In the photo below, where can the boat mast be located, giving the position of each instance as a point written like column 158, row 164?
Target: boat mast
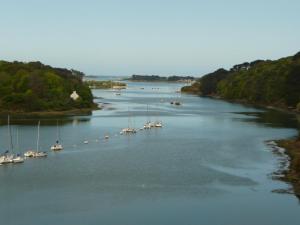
column 38, row 137
column 57, row 131
column 148, row 118
column 9, row 132
column 17, row 147
column 128, row 118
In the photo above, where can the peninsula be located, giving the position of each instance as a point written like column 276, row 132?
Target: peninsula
column 37, row 88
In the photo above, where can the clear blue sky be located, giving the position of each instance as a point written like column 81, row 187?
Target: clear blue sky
column 112, row 37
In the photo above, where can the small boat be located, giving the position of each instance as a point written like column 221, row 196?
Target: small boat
column 147, row 125
column 18, row 159
column 40, row 154
column 152, row 124
column 177, row 103
column 8, row 156
column 37, row 153
column 128, row 131
column 158, row 124
column 6, row 159
column 2, row 159
column 29, row 153
column 106, row 137
column 85, row 142
column 57, row 146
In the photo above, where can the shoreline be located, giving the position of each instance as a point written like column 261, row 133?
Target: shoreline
column 71, row 112
column 247, row 103
column 292, row 173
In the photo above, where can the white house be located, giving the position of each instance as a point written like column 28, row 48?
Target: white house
column 74, row 96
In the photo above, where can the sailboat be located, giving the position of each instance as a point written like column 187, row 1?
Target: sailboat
column 148, row 124
column 57, row 146
column 18, row 158
column 8, row 156
column 158, row 123
column 106, row 136
column 2, row 159
column 37, row 153
column 128, row 130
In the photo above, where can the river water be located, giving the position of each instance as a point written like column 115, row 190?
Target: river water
column 209, row 164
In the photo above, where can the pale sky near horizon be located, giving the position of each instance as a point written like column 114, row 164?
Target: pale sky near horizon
column 114, row 37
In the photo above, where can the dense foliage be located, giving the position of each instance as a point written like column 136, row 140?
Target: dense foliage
column 27, row 87
column 269, row 82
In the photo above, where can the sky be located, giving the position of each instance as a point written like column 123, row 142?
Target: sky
column 166, row 37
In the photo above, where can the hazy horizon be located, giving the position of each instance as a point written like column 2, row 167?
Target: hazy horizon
column 122, row 38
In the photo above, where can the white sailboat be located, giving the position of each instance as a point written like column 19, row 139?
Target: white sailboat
column 18, row 158
column 148, row 124
column 7, row 158
column 158, row 123
column 57, row 146
column 129, row 129
column 37, row 153
column 8, row 155
column 2, row 159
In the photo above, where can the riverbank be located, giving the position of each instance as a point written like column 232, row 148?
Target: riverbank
column 292, row 174
column 72, row 112
column 193, row 91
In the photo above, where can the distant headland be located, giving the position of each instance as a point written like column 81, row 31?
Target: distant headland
column 157, row 78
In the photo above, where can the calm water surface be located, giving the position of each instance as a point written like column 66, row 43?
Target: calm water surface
column 209, row 164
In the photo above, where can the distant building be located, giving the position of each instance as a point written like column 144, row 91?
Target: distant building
column 74, row 96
